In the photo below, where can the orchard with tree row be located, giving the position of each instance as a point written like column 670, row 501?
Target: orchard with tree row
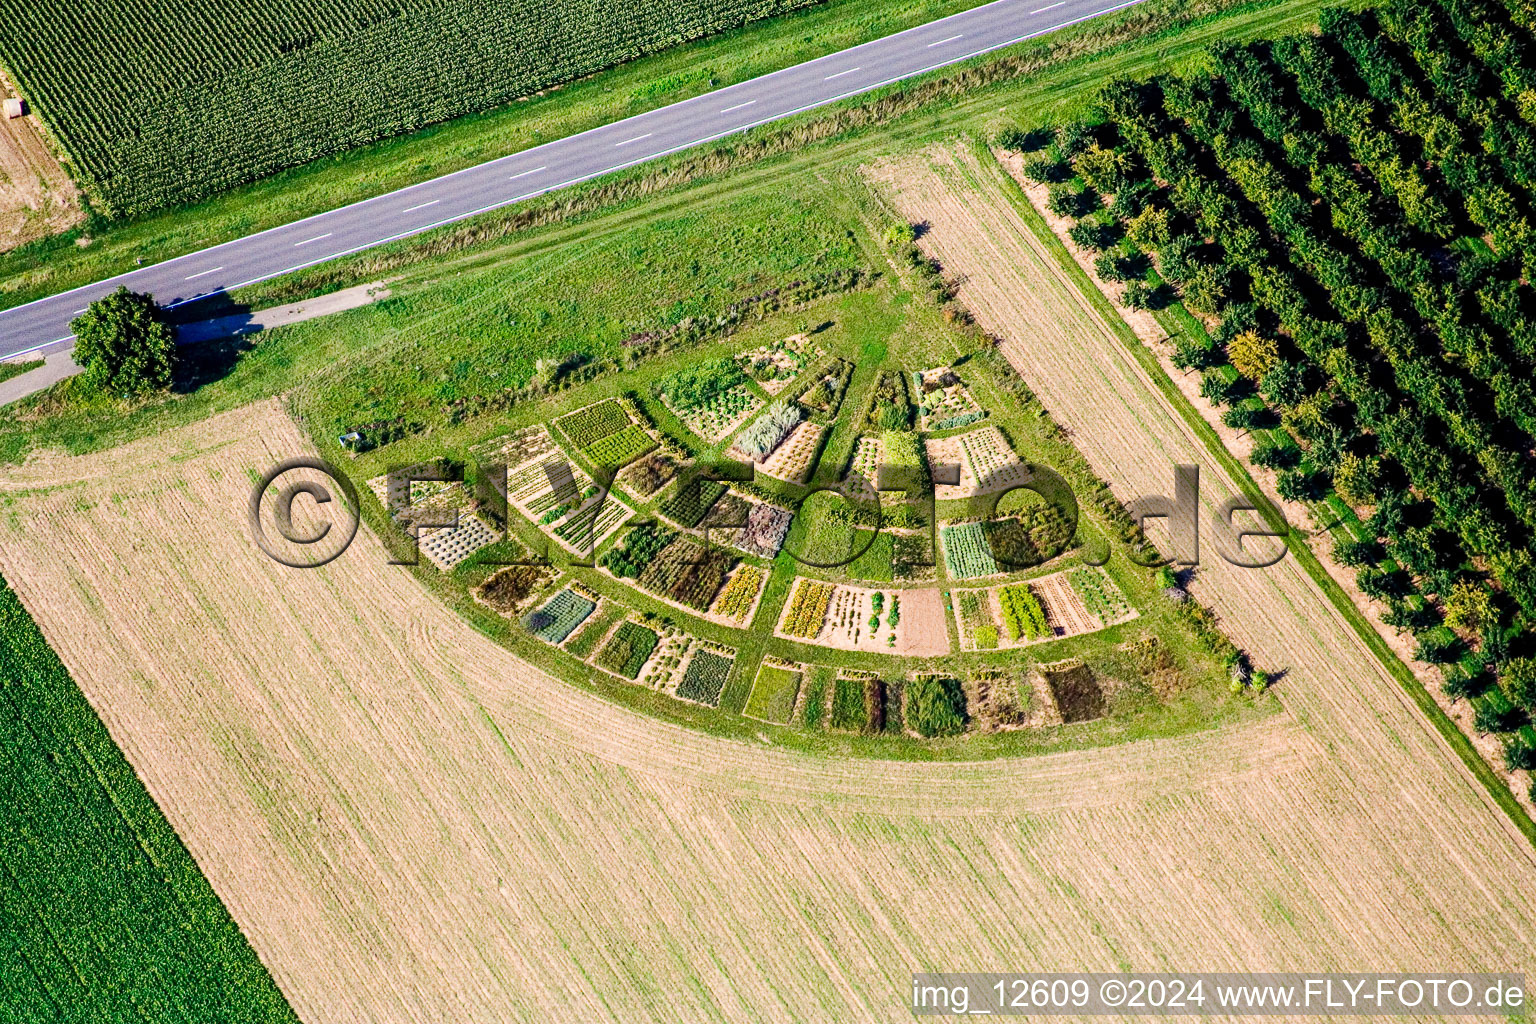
column 1349, row 217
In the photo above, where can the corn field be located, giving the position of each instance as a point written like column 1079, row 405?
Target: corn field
column 168, row 102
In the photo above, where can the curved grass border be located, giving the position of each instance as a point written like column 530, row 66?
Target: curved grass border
column 1421, row 697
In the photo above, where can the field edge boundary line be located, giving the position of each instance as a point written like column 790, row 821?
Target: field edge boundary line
column 1449, row 732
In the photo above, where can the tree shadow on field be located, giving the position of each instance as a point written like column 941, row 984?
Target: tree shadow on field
column 199, row 364
column 212, row 336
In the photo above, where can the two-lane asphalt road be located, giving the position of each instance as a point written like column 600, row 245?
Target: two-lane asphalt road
column 555, row 165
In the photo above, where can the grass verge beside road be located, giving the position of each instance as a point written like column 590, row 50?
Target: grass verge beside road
column 9, row 370
column 1151, row 35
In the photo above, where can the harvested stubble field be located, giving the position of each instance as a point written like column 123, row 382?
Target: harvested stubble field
column 1077, row 362
column 412, row 825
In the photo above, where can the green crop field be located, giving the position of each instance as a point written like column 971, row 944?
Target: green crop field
column 588, row 426
column 628, row 649
column 773, row 694
column 105, row 917
column 620, row 449
column 966, row 552
column 849, row 709
column 166, row 102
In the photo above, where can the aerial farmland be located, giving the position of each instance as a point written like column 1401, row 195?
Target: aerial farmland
column 756, row 512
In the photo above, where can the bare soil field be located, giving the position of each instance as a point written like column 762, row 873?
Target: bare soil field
column 412, row 825
column 37, row 197
column 919, row 631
